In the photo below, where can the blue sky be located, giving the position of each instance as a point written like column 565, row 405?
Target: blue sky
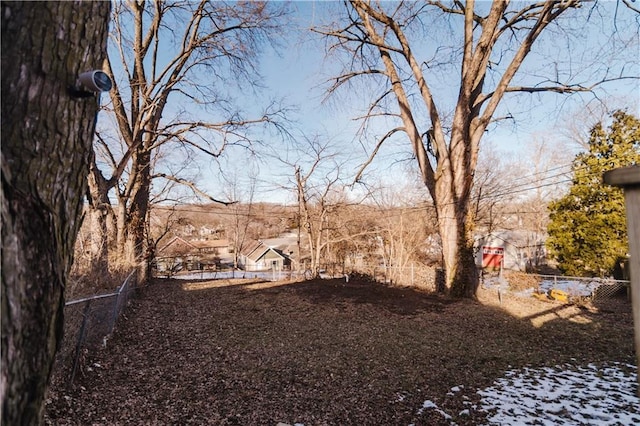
column 297, row 71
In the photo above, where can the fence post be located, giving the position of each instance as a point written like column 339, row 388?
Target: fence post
column 412, row 274
column 628, row 178
column 115, row 308
column 81, row 336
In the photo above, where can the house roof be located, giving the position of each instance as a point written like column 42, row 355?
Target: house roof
column 516, row 238
column 257, row 249
column 177, row 245
column 210, row 243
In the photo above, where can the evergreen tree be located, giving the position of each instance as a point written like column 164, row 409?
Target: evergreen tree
column 587, row 228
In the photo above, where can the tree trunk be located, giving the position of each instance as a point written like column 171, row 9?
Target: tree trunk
column 461, row 274
column 121, row 229
column 456, row 224
column 46, row 140
column 99, row 211
column 136, row 246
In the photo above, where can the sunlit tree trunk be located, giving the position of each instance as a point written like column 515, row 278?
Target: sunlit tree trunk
column 98, row 212
column 46, row 140
column 136, row 242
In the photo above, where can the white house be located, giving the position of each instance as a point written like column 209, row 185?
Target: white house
column 260, row 257
column 519, row 249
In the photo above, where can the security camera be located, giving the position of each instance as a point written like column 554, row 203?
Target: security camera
column 89, row 83
column 96, row 81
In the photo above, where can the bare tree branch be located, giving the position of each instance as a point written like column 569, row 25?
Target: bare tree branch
column 630, row 6
column 497, row 37
column 375, row 152
column 193, row 187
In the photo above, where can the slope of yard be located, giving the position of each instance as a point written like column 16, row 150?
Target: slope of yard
column 327, row 352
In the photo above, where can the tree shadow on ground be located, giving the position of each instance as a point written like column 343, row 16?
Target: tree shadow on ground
column 398, row 300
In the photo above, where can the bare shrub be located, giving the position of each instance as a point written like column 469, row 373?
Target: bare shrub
column 519, row 281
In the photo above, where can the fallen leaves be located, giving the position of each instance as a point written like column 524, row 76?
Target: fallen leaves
column 318, row 352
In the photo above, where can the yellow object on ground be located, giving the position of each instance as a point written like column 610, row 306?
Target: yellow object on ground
column 540, row 296
column 559, row 295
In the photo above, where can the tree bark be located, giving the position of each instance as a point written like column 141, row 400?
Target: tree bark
column 136, row 246
column 46, row 140
column 99, row 210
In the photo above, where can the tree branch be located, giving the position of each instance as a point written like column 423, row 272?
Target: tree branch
column 375, row 151
column 193, row 187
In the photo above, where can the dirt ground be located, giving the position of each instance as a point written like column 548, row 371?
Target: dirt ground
column 323, row 352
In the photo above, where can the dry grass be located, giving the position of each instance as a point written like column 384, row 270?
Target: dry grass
column 89, row 282
column 323, row 352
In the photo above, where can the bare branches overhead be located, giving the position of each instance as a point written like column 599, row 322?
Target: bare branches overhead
column 402, row 48
column 172, row 64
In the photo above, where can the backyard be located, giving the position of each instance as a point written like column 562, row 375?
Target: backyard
column 331, row 352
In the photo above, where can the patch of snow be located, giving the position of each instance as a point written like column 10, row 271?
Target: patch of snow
column 564, row 395
column 525, row 293
column 498, row 283
column 400, row 397
column 573, row 288
column 227, row 275
column 430, row 405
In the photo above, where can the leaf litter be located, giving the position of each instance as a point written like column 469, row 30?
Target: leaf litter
column 327, row 352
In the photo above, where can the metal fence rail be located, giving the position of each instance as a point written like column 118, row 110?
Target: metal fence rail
column 593, row 288
column 89, row 322
column 431, row 278
column 576, row 288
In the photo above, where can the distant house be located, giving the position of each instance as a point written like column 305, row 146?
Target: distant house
column 515, row 250
column 188, row 229
column 207, row 232
column 179, row 253
column 258, row 256
column 215, row 247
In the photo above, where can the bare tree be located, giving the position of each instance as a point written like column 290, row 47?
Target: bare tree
column 317, row 180
column 314, row 196
column 391, row 44
column 491, row 193
column 46, row 140
column 403, row 224
column 241, row 211
column 172, row 62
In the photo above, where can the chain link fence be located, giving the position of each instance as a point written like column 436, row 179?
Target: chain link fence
column 89, row 322
column 431, row 279
column 422, row 277
column 419, row 276
column 575, row 288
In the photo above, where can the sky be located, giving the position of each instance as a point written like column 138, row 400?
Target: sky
column 296, row 74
